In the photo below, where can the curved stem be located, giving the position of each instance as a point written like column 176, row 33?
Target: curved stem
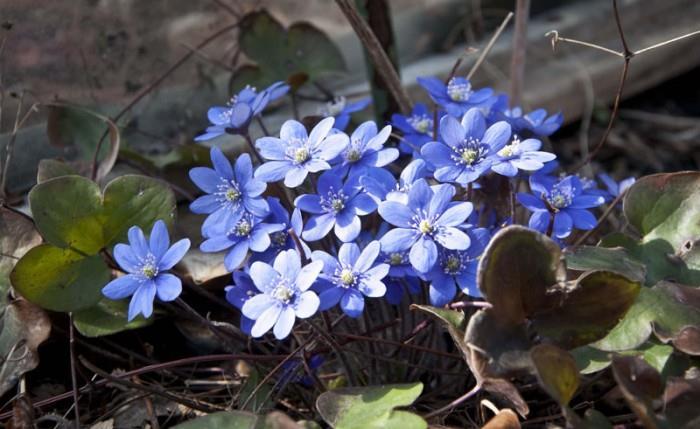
column 456, row 402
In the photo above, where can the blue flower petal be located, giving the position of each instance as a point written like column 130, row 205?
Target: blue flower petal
column 318, row 227
column 330, row 297
column 138, row 242
column 265, row 321
column 271, row 148
column 168, row 287
column 396, row 214
column 423, row 255
column 453, row 239
column 308, row 274
column 205, row 178
column 398, row 239
column 293, row 130
column 474, row 123
column 539, row 220
column 441, row 293
column 121, row 287
column 583, row 219
column 295, row 176
column 235, row 257
column 307, row 304
column 455, row 214
column 263, row 275
column 563, row 224
column 364, row 260
column 272, row 171
column 126, row 259
column 159, row 241
column 352, row 303
column 221, row 163
column 284, row 324
column 205, row 204
column 174, row 254
column 142, row 301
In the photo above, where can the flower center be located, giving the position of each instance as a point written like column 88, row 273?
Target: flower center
column 459, row 91
column 559, row 199
column 243, row 228
column 334, row 202
column 395, row 259
column 452, row 264
column 279, row 238
column 512, row 149
column 347, row 277
column 470, row 152
column 232, row 194
column 301, row 155
column 149, row 268
column 425, row 226
column 283, row 293
column 422, row 124
column 353, row 154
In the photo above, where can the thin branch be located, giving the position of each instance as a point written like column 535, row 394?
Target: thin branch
column 454, row 403
column 379, row 57
column 556, row 39
column 489, row 45
column 517, row 62
column 667, row 42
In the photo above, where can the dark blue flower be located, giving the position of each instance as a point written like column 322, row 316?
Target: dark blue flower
column 353, row 275
column 524, row 155
column 396, row 286
column 366, row 150
column 457, row 96
column 429, row 217
column 282, row 239
column 381, row 185
column 565, row 200
column 241, row 109
column 146, row 263
column 241, row 291
column 296, row 154
column 284, row 294
column 248, row 233
column 457, row 269
column 337, row 206
column 469, row 148
column 417, row 128
column 615, row 188
column 230, row 191
column 535, row 122
column 341, row 110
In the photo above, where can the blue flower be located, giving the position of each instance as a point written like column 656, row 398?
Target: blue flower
column 353, row 275
column 536, row 122
column 341, row 110
column 296, row 154
column 381, row 184
column 457, row 269
column 241, row 291
column 395, row 287
column 248, row 233
column 366, row 150
column 565, row 200
column 241, row 109
column 336, row 206
column 469, row 148
column 457, row 96
column 615, row 188
column 146, row 263
column 523, row 155
column 429, row 217
column 417, row 128
column 284, row 296
column 230, row 191
column 282, row 239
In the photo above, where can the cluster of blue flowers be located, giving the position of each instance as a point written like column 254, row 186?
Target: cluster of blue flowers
column 367, row 213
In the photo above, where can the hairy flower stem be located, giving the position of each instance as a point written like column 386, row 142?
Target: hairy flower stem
column 251, row 145
column 73, row 374
column 297, row 244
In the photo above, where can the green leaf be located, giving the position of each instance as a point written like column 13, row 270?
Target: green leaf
column 223, row 420
column 665, row 209
column 60, row 279
column 135, row 200
column 590, row 360
column 23, row 328
column 371, row 407
column 589, row 311
column 516, row 269
column 50, row 168
column 17, row 236
column 556, row 371
column 669, row 306
column 262, row 399
column 106, row 318
column 453, row 320
column 67, row 213
column 80, row 129
column 618, row 260
column 301, row 52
